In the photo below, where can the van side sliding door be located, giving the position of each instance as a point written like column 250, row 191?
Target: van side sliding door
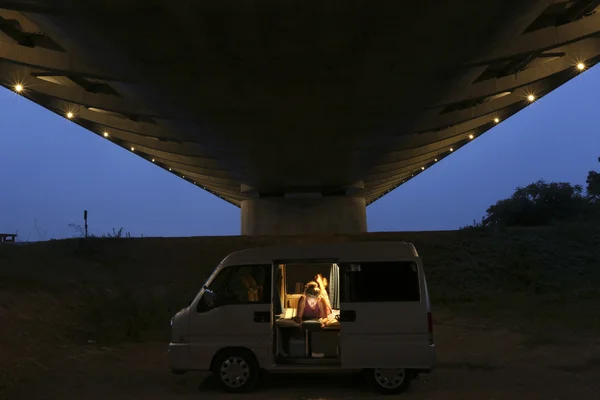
column 383, row 316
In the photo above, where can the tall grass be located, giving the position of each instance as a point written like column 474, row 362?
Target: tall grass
column 127, row 289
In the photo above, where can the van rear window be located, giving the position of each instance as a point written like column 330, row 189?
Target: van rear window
column 379, row 282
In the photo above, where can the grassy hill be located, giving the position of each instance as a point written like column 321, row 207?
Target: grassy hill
column 545, row 282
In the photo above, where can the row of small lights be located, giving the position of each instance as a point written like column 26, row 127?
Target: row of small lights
column 18, row 88
column 530, row 98
column 451, row 150
column 153, row 160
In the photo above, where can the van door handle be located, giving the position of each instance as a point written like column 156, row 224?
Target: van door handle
column 262, row 316
column 347, row 316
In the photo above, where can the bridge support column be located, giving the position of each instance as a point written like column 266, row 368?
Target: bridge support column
column 281, row 216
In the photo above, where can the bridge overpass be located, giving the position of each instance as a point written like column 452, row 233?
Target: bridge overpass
column 299, row 112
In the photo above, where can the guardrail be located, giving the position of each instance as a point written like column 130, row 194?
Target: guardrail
column 8, row 237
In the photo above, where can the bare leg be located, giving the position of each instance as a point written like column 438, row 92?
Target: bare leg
column 323, row 286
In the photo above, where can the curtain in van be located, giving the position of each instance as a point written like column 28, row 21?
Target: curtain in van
column 334, row 286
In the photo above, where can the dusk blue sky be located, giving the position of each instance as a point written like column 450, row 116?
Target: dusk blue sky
column 51, row 170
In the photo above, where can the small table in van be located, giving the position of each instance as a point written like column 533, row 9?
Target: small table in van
column 311, row 327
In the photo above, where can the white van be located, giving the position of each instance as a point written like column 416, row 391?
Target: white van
column 244, row 319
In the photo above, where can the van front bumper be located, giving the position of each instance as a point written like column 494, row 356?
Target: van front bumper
column 179, row 357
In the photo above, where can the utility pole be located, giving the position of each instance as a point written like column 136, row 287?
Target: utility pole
column 85, row 220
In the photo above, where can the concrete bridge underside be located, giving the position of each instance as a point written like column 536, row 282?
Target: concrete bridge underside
column 299, row 112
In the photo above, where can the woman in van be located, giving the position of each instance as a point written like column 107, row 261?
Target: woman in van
column 311, row 305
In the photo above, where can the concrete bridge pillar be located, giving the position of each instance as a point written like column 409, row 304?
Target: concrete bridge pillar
column 283, row 216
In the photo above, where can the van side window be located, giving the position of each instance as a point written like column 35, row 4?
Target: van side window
column 244, row 284
column 379, row 282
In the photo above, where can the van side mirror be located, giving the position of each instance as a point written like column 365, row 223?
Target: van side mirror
column 210, row 298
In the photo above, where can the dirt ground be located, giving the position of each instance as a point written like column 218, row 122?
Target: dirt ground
column 475, row 362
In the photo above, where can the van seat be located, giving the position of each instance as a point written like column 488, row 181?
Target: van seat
column 291, row 300
column 289, row 313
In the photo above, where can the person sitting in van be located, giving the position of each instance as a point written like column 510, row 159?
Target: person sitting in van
column 311, row 305
column 252, row 289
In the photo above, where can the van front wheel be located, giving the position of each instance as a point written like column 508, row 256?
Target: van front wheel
column 389, row 380
column 236, row 370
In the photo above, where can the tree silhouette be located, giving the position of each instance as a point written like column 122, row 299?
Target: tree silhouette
column 593, row 185
column 537, row 204
column 543, row 203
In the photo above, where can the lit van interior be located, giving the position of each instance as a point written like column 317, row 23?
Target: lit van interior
column 306, row 310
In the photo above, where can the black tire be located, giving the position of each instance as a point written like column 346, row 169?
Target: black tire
column 236, row 370
column 389, row 381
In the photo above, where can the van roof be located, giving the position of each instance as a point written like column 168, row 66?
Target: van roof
column 344, row 252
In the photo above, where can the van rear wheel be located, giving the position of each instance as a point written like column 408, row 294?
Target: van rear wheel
column 236, row 370
column 389, row 380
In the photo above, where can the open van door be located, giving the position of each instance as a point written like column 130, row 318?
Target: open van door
column 383, row 315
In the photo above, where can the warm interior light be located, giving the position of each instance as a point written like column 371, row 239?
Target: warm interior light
column 451, row 149
column 471, row 137
column 169, row 169
column 496, row 120
column 18, row 88
column 581, row 66
column 423, row 168
column 530, row 97
column 435, row 160
column 70, row 115
column 153, row 160
column 132, row 148
column 105, row 134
